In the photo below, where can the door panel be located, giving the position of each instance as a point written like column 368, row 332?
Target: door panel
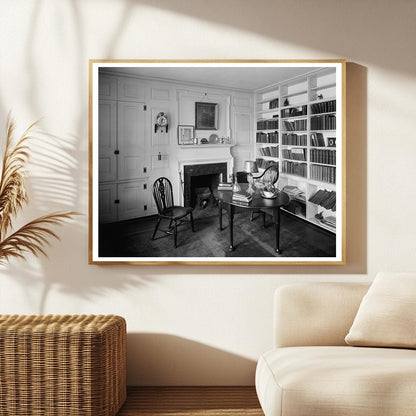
column 131, row 141
column 107, row 139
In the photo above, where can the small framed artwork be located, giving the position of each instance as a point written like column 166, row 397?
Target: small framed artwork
column 206, row 116
column 186, row 134
column 332, row 141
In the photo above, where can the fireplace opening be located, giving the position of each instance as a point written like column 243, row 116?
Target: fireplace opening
column 201, row 183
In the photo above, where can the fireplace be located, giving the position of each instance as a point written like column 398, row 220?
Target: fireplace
column 202, row 178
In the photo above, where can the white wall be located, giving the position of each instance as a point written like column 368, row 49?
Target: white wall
column 201, row 324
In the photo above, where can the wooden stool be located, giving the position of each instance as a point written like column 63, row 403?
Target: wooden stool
column 69, row 365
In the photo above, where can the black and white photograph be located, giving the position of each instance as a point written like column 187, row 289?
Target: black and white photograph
column 217, row 162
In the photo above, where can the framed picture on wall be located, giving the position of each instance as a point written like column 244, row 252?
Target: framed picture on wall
column 266, row 188
column 206, row 116
column 186, row 134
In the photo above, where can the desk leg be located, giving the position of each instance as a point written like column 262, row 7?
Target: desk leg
column 231, row 209
column 276, row 215
column 220, row 214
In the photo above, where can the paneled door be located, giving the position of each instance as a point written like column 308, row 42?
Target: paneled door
column 131, row 141
column 107, row 133
column 134, row 200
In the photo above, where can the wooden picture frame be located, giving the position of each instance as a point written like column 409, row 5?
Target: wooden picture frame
column 293, row 115
column 206, row 116
column 186, row 134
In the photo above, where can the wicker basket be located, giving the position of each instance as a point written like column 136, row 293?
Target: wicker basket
column 72, row 365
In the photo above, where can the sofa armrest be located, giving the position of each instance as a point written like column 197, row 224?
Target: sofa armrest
column 315, row 313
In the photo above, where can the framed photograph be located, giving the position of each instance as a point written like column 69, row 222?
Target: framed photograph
column 279, row 125
column 186, row 134
column 206, row 116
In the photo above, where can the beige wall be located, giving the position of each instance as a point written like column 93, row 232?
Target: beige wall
column 204, row 325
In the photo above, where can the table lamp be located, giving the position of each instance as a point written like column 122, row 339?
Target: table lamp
column 250, row 166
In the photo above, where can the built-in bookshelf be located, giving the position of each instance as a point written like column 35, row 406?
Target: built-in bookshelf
column 296, row 124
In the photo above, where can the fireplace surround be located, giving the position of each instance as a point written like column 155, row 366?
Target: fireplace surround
column 203, row 175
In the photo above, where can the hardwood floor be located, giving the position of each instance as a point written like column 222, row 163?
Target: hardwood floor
column 195, row 401
column 297, row 238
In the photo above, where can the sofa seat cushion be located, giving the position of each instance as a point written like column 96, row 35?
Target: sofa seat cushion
column 341, row 381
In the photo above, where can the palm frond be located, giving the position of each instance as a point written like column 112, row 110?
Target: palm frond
column 12, row 181
column 33, row 237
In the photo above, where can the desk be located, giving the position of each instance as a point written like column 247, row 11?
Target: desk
column 225, row 201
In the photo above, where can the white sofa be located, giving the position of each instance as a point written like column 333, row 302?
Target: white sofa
column 313, row 372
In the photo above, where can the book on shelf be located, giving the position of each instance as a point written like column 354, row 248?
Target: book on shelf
column 293, row 139
column 273, row 103
column 262, row 137
column 295, row 125
column 272, row 151
column 324, row 107
column 324, row 198
column 294, row 168
column 294, row 193
column 325, row 156
column 317, row 139
column 268, row 124
column 324, row 122
column 294, row 153
column 323, row 173
column 295, row 111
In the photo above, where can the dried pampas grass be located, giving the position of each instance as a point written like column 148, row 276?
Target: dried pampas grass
column 34, row 236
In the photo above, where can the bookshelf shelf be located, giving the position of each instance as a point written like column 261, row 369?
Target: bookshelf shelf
column 324, row 87
column 294, row 94
column 267, row 100
column 311, row 98
column 294, row 117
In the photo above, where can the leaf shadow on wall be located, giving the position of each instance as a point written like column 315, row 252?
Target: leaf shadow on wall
column 51, row 186
column 163, row 359
column 376, row 34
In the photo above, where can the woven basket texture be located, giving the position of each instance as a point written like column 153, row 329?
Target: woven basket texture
column 62, row 365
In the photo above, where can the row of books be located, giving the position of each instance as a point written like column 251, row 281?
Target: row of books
column 293, row 139
column 323, row 156
column 269, row 151
column 324, row 198
column 295, row 111
column 273, row 103
column 294, row 192
column 264, row 164
column 295, row 125
column 294, row 168
column 317, row 140
column 323, row 173
column 324, row 107
column 262, row 137
column 268, row 124
column 242, row 197
column 294, row 153
column 325, row 122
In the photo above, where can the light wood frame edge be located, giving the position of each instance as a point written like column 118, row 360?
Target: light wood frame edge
column 341, row 262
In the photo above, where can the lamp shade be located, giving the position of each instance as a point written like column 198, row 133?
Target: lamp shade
column 250, row 166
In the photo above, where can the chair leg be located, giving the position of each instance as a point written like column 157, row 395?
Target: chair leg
column 264, row 220
column 156, row 228
column 252, row 215
column 170, row 224
column 192, row 222
column 175, row 233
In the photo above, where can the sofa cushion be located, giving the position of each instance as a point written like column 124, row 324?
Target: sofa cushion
column 340, row 380
column 387, row 314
